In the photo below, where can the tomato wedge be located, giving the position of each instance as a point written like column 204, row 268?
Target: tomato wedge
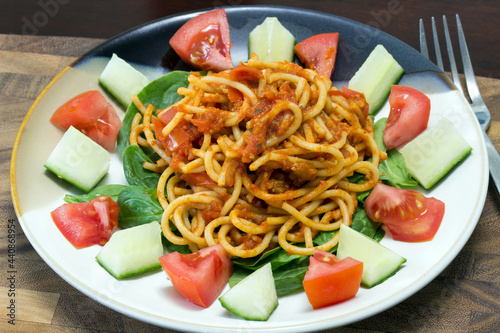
column 91, row 114
column 87, row 223
column 408, row 214
column 409, row 115
column 201, row 276
column 318, row 52
column 204, row 41
column 330, row 280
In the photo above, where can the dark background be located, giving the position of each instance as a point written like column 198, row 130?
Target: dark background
column 104, row 19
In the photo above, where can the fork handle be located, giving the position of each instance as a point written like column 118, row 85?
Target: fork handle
column 494, row 161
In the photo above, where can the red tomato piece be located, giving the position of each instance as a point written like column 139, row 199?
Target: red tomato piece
column 176, row 138
column 91, row 114
column 409, row 115
column 201, row 276
column 234, row 94
column 204, row 41
column 409, row 215
column 319, row 52
column 330, row 280
column 182, row 134
column 167, row 115
column 245, row 73
column 87, row 223
column 198, row 179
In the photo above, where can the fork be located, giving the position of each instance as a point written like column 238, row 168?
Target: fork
column 477, row 104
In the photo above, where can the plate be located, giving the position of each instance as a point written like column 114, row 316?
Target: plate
column 151, row 298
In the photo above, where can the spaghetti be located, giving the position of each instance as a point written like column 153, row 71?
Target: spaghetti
column 257, row 157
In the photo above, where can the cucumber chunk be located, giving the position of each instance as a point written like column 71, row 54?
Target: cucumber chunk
column 254, row 297
column 376, row 76
column 433, row 153
column 132, row 251
column 379, row 263
column 79, row 160
column 271, row 41
column 122, row 80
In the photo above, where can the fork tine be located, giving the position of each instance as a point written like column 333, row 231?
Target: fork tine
column 423, row 43
column 439, row 60
column 470, row 78
column 453, row 64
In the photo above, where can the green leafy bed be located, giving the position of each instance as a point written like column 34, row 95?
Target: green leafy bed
column 139, row 204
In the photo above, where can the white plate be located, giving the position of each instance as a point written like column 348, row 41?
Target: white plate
column 151, row 298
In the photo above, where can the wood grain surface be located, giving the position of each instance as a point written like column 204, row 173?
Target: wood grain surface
column 399, row 18
column 465, row 297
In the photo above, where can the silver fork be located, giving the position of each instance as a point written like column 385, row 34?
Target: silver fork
column 477, row 103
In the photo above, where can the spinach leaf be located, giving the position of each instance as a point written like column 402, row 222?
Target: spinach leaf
column 239, row 273
column 161, row 93
column 184, row 249
column 362, row 223
column 277, row 257
column 324, row 236
column 378, row 133
column 111, row 190
column 290, row 280
column 287, row 279
column 138, row 205
column 379, row 234
column 133, row 158
column 394, row 172
column 361, row 196
column 288, row 270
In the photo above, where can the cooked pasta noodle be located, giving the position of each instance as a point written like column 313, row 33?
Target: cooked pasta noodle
column 257, row 157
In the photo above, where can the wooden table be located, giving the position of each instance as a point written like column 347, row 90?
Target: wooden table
column 465, row 297
column 399, row 18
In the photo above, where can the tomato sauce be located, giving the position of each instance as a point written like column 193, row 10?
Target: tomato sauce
column 245, row 73
column 212, row 212
column 211, row 121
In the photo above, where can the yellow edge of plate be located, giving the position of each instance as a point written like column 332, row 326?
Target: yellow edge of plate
column 13, row 188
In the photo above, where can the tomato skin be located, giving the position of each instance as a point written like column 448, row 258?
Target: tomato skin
column 204, row 41
column 91, row 114
column 198, row 179
column 181, row 135
column 409, row 115
column 175, row 139
column 408, row 214
column 201, row 276
column 329, row 280
column 319, row 52
column 87, row 223
column 245, row 73
column 234, row 94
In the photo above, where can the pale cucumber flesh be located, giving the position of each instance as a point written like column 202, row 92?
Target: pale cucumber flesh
column 432, row 154
column 79, row 160
column 132, row 251
column 254, row 297
column 376, row 76
column 122, row 80
column 271, row 41
column 379, row 262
